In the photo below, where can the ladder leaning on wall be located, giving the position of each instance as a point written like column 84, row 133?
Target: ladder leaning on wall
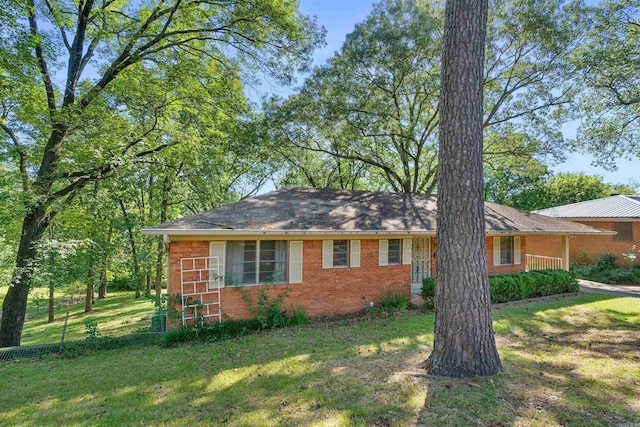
column 200, row 282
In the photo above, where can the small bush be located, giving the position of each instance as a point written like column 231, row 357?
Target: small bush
column 429, row 291
column 211, row 332
column 122, row 284
column 428, row 287
column 93, row 337
column 605, row 271
column 394, row 301
column 299, row 316
column 605, row 262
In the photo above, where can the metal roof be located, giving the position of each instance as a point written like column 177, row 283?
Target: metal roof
column 607, row 207
column 326, row 210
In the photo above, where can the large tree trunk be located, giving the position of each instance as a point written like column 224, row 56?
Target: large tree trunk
column 14, row 307
column 464, row 343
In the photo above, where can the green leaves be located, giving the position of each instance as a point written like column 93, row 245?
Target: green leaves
column 375, row 103
column 610, row 64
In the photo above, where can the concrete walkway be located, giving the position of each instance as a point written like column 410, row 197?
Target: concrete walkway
column 602, row 288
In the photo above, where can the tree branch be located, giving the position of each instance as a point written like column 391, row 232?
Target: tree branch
column 42, row 61
column 22, row 154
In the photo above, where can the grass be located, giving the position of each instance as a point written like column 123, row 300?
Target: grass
column 118, row 314
column 37, row 303
column 570, row 361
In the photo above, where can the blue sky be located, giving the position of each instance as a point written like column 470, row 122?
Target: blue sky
column 340, row 17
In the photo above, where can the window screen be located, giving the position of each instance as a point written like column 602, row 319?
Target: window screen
column 506, row 250
column 394, row 251
column 625, row 231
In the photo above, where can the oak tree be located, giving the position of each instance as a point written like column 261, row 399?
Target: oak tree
column 60, row 128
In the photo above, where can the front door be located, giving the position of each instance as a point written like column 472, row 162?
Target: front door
column 420, row 265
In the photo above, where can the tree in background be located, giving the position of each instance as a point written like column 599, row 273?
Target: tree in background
column 464, row 343
column 530, row 192
column 61, row 130
column 375, row 103
column 610, row 103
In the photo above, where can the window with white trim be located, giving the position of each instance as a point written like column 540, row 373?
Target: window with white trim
column 506, row 250
column 340, row 253
column 394, row 251
column 250, row 262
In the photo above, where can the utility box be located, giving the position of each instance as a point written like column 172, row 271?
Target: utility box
column 159, row 321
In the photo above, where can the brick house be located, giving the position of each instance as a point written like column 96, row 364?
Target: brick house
column 616, row 213
column 333, row 251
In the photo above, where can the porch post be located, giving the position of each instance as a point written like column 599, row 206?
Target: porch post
column 565, row 253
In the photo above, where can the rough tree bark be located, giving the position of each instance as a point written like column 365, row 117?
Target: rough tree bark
column 14, row 307
column 464, row 343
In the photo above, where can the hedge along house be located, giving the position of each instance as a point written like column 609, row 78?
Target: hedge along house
column 332, row 251
column 616, row 213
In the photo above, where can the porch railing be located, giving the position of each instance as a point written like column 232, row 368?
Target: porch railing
column 539, row 262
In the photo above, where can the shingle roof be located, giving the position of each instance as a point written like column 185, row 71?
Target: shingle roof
column 309, row 210
column 607, row 207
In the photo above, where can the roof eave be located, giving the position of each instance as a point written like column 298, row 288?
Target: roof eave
column 249, row 232
column 600, row 218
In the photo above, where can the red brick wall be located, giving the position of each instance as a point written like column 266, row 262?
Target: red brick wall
column 548, row 245
column 323, row 292
column 493, row 269
column 596, row 245
column 502, row 269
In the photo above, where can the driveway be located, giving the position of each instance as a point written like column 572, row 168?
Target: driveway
column 602, row 288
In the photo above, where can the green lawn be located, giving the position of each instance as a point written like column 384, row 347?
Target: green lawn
column 571, row 361
column 37, row 304
column 118, row 314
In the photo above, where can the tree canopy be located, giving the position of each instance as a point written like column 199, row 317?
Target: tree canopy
column 610, row 64
column 375, row 103
column 88, row 87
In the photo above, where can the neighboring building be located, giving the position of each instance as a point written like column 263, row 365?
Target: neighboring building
column 336, row 251
column 616, row 213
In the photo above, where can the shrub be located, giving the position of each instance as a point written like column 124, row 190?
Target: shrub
column 532, row 284
column 428, row 287
column 211, row 332
column 93, row 337
column 299, row 316
column 605, row 271
column 605, row 262
column 428, row 291
column 122, row 284
column 394, row 301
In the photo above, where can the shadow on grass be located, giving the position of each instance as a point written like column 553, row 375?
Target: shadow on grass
column 569, row 362
column 353, row 374
column 333, row 374
column 118, row 314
